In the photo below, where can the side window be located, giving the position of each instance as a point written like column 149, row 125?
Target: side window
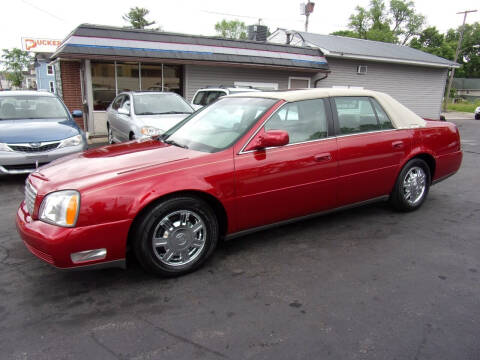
column 303, row 120
column 199, row 98
column 117, row 102
column 355, row 115
column 126, row 104
column 383, row 118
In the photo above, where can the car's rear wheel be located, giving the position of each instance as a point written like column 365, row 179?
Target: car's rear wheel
column 110, row 134
column 412, row 185
column 477, row 116
column 176, row 236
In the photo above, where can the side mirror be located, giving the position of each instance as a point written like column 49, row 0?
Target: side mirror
column 123, row 111
column 77, row 113
column 272, row 138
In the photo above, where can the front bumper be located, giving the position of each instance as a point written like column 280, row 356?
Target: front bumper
column 55, row 244
column 14, row 162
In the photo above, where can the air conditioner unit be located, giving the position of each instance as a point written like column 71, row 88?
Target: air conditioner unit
column 361, row 69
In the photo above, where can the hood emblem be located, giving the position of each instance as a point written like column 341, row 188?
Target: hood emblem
column 35, row 144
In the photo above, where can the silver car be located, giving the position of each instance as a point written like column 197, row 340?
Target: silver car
column 136, row 114
column 36, row 128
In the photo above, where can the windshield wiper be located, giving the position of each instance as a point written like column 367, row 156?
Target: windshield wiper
column 173, row 142
column 174, row 112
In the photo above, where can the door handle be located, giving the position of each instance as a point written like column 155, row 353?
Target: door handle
column 323, row 157
column 397, row 144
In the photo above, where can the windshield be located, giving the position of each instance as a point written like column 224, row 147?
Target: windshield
column 219, row 125
column 31, row 107
column 154, row 104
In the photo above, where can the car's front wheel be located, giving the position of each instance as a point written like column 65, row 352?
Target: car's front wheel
column 412, row 185
column 176, row 236
column 110, row 135
column 477, row 116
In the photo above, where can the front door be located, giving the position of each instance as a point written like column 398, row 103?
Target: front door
column 276, row 184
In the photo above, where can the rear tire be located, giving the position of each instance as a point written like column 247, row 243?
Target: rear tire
column 477, row 116
column 176, row 236
column 412, row 185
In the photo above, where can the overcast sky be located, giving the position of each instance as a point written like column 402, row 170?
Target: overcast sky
column 56, row 18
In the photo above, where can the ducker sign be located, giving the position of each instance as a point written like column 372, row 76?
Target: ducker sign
column 40, row 45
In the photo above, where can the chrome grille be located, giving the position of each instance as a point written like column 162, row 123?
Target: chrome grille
column 30, row 148
column 30, row 196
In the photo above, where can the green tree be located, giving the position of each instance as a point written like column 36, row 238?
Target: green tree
column 469, row 55
column 432, row 41
column 444, row 45
column 136, row 18
column 15, row 63
column 397, row 24
column 234, row 29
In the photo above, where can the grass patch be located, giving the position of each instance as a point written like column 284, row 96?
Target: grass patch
column 463, row 106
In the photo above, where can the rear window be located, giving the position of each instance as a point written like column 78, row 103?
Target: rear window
column 31, row 107
column 205, row 98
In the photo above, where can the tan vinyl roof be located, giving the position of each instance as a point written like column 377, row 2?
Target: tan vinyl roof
column 400, row 115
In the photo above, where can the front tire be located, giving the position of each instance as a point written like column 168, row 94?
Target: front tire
column 176, row 236
column 412, row 186
column 110, row 135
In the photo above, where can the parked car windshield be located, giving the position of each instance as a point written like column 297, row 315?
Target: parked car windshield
column 219, row 125
column 154, row 104
column 31, row 107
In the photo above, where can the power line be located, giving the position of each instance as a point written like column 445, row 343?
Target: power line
column 44, row 11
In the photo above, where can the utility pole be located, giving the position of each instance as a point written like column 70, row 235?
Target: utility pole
column 452, row 72
column 306, row 9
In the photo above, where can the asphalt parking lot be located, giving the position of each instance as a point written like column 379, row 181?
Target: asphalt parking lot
column 367, row 283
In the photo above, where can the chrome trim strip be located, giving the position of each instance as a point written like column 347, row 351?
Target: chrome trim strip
column 42, row 143
column 121, row 263
column 369, row 132
column 305, row 217
column 15, row 172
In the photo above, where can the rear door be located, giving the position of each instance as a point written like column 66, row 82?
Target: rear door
column 276, row 184
column 370, row 150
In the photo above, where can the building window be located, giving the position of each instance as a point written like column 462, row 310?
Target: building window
column 51, row 86
column 103, row 85
column 50, row 69
column 110, row 79
column 295, row 82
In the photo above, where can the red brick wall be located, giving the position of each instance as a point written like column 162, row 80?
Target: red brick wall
column 71, row 88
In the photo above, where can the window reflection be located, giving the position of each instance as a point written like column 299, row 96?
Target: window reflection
column 103, row 85
column 127, row 77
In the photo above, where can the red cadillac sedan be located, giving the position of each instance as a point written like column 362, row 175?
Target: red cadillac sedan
column 246, row 162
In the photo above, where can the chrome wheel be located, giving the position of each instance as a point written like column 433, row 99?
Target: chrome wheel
column 179, row 238
column 414, row 185
column 110, row 135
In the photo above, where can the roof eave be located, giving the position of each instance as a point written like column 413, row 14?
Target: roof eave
column 389, row 60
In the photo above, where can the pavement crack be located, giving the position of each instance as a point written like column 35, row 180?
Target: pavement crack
column 105, row 347
column 471, row 152
column 185, row 340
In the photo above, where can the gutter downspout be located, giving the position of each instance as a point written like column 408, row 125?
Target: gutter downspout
column 322, row 78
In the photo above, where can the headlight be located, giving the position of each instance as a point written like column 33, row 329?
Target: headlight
column 71, row 141
column 4, row 147
column 60, row 208
column 151, row 131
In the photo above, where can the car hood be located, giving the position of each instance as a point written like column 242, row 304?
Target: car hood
column 163, row 122
column 36, row 130
column 94, row 167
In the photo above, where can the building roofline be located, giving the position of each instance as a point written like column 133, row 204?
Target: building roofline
column 333, row 54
